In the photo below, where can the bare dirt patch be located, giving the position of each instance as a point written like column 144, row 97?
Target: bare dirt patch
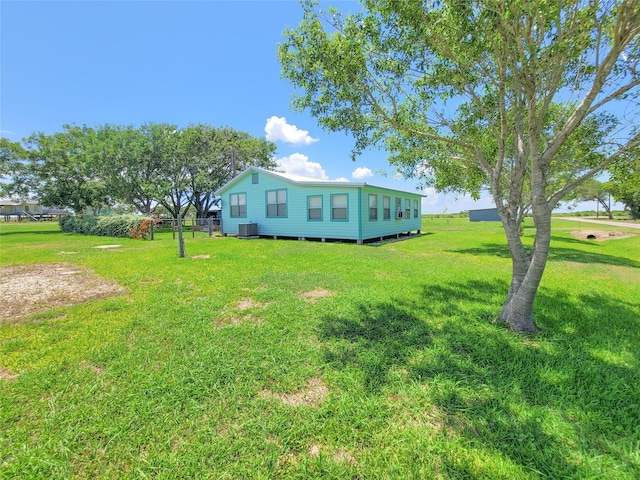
column 200, row 257
column 39, row 287
column 340, row 455
column 7, row 374
column 96, row 369
column 241, row 320
column 242, row 312
column 427, row 417
column 292, row 459
column 313, row 395
column 314, row 295
column 599, row 235
column 107, row 246
column 248, row 303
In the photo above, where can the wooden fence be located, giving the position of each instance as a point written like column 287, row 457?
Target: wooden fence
column 208, row 225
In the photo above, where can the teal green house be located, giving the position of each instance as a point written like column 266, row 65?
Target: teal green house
column 260, row 202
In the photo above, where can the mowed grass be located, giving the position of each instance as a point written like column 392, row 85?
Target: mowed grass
column 287, row 359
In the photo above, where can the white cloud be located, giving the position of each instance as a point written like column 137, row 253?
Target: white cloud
column 431, row 197
column 341, row 179
column 361, row 173
column 277, row 128
column 299, row 164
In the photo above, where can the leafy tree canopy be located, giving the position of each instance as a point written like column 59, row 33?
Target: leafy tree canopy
column 593, row 189
column 55, row 169
column 624, row 183
column 156, row 164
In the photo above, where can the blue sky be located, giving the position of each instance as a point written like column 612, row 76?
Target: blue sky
column 208, row 62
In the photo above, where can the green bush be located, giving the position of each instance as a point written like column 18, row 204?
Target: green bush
column 78, row 223
column 105, row 226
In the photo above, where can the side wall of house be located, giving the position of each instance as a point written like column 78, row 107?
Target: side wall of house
column 374, row 223
column 295, row 222
column 12, row 209
column 8, row 209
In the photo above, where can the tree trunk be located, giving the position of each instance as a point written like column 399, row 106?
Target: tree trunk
column 202, row 202
column 517, row 311
column 527, row 270
column 607, row 208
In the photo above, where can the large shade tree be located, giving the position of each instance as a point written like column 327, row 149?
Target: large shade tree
column 155, row 164
column 472, row 93
column 160, row 164
column 168, row 146
column 57, row 169
column 125, row 158
column 594, row 190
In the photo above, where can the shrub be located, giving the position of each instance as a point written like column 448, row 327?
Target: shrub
column 142, row 229
column 108, row 225
column 78, row 223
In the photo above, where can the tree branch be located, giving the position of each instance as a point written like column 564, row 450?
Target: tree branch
column 558, row 195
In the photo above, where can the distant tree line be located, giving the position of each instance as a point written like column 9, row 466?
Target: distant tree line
column 144, row 169
column 622, row 186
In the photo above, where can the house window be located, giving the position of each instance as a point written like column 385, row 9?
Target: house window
column 407, row 208
column 415, row 209
column 314, row 207
column 373, row 207
column 254, row 178
column 398, row 207
column 339, row 207
column 386, row 208
column 277, row 203
column 238, row 202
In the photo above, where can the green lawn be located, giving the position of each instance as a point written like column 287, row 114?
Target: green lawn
column 391, row 367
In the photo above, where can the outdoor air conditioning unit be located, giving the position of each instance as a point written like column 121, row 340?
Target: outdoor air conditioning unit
column 248, row 230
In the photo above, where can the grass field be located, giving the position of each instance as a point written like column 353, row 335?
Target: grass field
column 287, row 359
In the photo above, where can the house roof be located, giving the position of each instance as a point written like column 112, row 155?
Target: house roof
column 300, row 180
column 13, row 201
column 483, row 209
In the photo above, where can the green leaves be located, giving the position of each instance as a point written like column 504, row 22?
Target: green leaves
column 624, row 183
column 13, row 166
column 61, row 172
column 156, row 164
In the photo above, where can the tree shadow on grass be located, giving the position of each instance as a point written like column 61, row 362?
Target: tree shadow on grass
column 374, row 340
column 555, row 254
column 542, row 401
column 556, row 238
column 31, row 232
